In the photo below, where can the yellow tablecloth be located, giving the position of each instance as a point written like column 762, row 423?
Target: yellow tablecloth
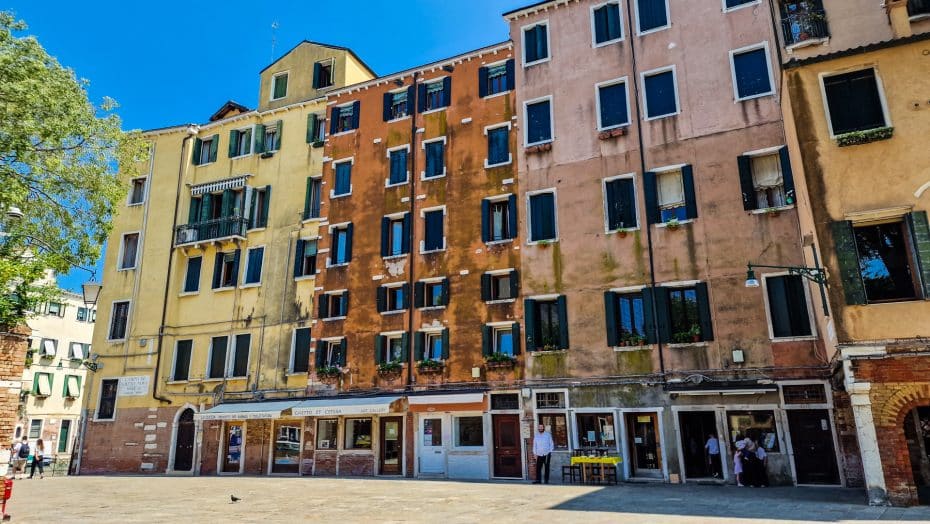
column 585, row 461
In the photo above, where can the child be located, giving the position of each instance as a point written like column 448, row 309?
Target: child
column 738, row 462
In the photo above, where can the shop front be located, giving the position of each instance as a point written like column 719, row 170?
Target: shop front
column 452, row 436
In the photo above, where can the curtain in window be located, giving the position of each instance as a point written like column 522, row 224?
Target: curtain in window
column 671, row 191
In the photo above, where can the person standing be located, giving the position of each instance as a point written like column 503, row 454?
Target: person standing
column 20, row 454
column 37, row 457
column 763, row 467
column 712, row 447
column 738, row 462
column 542, row 449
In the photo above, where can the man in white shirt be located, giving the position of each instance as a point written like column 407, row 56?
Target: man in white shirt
column 542, row 448
column 713, row 454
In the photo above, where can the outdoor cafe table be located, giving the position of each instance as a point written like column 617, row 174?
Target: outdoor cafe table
column 585, row 461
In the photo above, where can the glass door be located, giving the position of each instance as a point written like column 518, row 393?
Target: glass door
column 645, row 450
column 286, row 457
column 391, row 445
column 232, row 458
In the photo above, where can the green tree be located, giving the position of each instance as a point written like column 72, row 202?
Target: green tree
column 59, row 156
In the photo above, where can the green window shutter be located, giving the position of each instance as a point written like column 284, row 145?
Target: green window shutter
column 343, row 351
column 324, row 306
column 485, row 287
column 311, row 127
column 563, row 322
column 405, row 345
column 486, row 344
column 445, row 344
column 529, row 317
column 307, row 198
column 214, row 147
column 229, row 199
column 206, row 205
column 656, row 326
column 516, row 338
column 278, row 135
column 610, row 313
column 380, row 298
column 317, row 69
column 233, row 142
column 418, row 345
column 704, row 315
column 320, row 353
column 921, row 232
column 514, row 283
column 664, row 321
column 259, row 138
column 746, row 185
column 651, row 195
column 193, row 213
column 195, row 155
column 787, row 175
column 217, row 270
column 418, row 294
column 687, row 180
column 266, row 206
column 379, row 348
column 847, row 257
column 445, row 291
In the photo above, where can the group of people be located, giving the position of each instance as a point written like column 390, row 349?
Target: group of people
column 23, row 455
column 749, row 461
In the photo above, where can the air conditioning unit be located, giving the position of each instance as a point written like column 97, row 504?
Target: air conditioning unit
column 187, row 235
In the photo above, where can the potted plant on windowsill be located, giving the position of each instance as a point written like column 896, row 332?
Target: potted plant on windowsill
column 695, row 333
column 500, row 361
column 329, row 373
column 430, row 366
column 390, row 370
column 672, row 224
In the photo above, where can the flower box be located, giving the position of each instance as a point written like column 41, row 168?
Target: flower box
column 500, row 363
column 539, row 148
column 864, row 137
column 611, row 133
column 430, row 367
column 329, row 374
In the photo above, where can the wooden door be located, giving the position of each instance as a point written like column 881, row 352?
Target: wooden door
column 812, row 441
column 392, row 439
column 508, row 460
column 184, row 442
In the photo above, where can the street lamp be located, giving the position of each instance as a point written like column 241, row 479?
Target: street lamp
column 814, row 274
column 91, row 290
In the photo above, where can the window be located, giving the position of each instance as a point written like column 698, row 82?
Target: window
column 313, row 197
column 334, row 304
column 106, row 408
column 253, row 265
column 341, row 244
column 804, row 394
column 612, row 108
column 260, row 202
column 435, row 158
column 192, row 277
column 398, row 166
column 331, row 353
column 64, row 436
column 752, row 74
column 129, row 251
column 118, row 320
column 607, row 24
column 434, row 293
column 182, row 360
column 500, row 340
column 546, row 324
column 626, row 319
column 305, row 260
column 323, row 73
column 854, row 102
column 557, row 426
column 535, row 44
column 787, row 303
column 300, row 356
column 499, row 285
column 550, row 400
column 433, row 346
column 205, row 150
column 42, row 384
column 239, row 363
column 469, row 431
column 48, row 347
column 279, row 86
column 240, row 142
column 660, row 93
column 757, row 425
column 56, row 308
column 137, row 191
column 344, row 118
column 395, row 235
column 435, row 95
column 498, row 146
column 885, row 262
column 316, row 129
column 391, row 348
column 505, row 401
column 596, row 430
column 766, row 180
column 217, row 363
column 326, row 433
column 268, row 137
column 729, row 5
column 538, row 121
column 671, row 196
column 358, row 433
column 620, row 203
column 35, row 428
column 434, row 237
column 918, row 9
column 343, row 184
column 85, row 314
column 72, row 387
column 78, row 351
column 542, row 217
column 495, row 78
column 226, row 270
column 391, row 298
column 498, row 218
column 397, row 104
column 652, row 15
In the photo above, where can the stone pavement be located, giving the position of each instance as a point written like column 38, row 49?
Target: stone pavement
column 308, row 499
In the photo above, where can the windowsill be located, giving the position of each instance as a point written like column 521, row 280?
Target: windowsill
column 547, row 352
column 536, row 62
column 431, row 111
column 432, row 308
column 394, row 312
column 188, row 293
column 613, row 127
column 217, row 379
column 177, row 382
column 660, row 117
column 498, row 242
column 116, row 340
column 794, row 339
column 542, row 243
column 622, row 230
column 125, row 269
column 738, row 7
column 237, row 157
column 767, row 210
column 607, row 43
column 677, row 224
column 205, row 164
column 495, row 95
column 247, row 286
column 622, row 349
column 395, row 257
column 305, row 277
column 313, row 219
column 540, row 143
column 398, row 119
column 255, row 229
column 653, row 30
column 753, row 97
column 425, row 178
column 236, row 378
column 331, row 266
column 809, row 42
column 134, row 204
column 334, row 196
column 296, row 373
column 501, row 301
column 105, row 419
column 342, row 133
column 432, row 251
column 327, row 319
column 683, row 345
column 222, row 289
column 388, row 184
column 499, row 164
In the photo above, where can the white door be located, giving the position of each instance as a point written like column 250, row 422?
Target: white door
column 432, row 446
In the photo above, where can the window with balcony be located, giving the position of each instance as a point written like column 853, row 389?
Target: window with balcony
column 803, row 22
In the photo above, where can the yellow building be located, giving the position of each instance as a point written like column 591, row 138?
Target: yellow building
column 209, row 273
column 857, row 115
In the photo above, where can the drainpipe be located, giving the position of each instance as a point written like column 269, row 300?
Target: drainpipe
column 411, row 279
column 642, row 165
column 192, row 131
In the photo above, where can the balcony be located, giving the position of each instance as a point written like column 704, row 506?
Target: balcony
column 804, row 28
column 207, row 230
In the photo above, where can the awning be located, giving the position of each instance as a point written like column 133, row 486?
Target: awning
column 246, row 410
column 344, row 406
column 461, row 398
column 219, row 185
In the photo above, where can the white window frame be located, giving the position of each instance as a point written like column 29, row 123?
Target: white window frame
column 331, row 293
column 427, row 333
column 329, row 259
column 597, row 101
column 332, row 192
column 445, row 167
column 529, row 225
column 329, row 343
column 393, row 92
column 100, row 401
column 427, row 282
column 878, row 83
column 388, row 336
column 340, row 106
column 498, row 272
column 526, row 126
column 487, row 130
column 494, row 200
column 145, row 191
column 445, row 227
column 604, row 181
column 494, row 64
column 668, row 20
column 122, row 248
column 454, row 446
column 128, row 317
column 231, row 348
column 737, row 8
column 245, row 271
column 251, row 142
column 387, row 298
column 764, row 45
column 497, row 326
column 203, row 142
column 174, row 362
column 387, row 154
column 642, row 83
column 768, row 310
column 224, row 376
column 595, row 7
column 274, row 81
column 523, row 29
column 293, row 356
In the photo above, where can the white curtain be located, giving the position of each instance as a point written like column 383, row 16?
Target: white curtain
column 671, row 191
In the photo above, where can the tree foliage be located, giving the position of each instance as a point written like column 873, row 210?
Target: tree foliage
column 59, row 155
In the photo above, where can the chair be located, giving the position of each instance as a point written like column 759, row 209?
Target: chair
column 610, row 474
column 570, row 472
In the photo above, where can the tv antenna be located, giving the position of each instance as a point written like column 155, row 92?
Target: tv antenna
column 274, row 37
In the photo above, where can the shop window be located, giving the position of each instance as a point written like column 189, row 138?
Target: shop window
column 358, row 433
column 326, row 433
column 595, row 430
column 557, row 426
column 286, row 448
column 759, row 426
column 469, row 431
column 550, row 400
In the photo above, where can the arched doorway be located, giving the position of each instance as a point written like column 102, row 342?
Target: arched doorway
column 184, row 442
column 917, row 435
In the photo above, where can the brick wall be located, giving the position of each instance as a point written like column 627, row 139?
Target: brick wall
column 257, row 446
column 356, row 465
column 210, row 446
column 13, row 346
column 137, row 441
column 325, row 463
column 851, row 459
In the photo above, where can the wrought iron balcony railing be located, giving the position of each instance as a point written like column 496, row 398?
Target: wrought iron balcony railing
column 216, row 229
column 805, row 26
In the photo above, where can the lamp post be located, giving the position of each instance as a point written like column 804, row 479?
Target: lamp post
column 814, row 274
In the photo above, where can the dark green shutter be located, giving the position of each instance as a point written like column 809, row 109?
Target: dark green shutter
column 485, row 287
column 235, row 271
column 529, row 318
column 418, row 345
column 421, row 98
column 704, row 311
column 405, row 347
column 746, row 184
column 649, row 321
column 386, row 110
column 343, row 351
column 334, row 121
column 214, row 147
column 233, row 142
column 206, row 205
column 847, row 257
column 193, row 213
column 515, row 335
column 379, row 348
column 266, row 205
column 787, row 176
column 921, row 238
column 511, row 77
column 299, row 258
column 349, row 242
column 486, row 344
column 356, row 109
column 320, row 353
column 650, row 193
column 406, row 293
column 229, row 200
column 563, row 322
column 482, row 82
column 195, row 156
column 418, row 299
column 610, row 313
column 687, row 180
column 385, row 236
column 405, row 242
column 381, row 299
column 664, row 321
column 514, row 283
column 447, row 91
column 217, row 270
column 259, row 138
column 512, row 215
column 277, row 136
column 311, row 128
column 485, row 220
column 445, row 292
column 307, row 196
column 445, row 344
column 324, row 305
column 317, row 70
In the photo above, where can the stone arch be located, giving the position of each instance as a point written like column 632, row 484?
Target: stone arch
column 893, row 410
column 889, row 417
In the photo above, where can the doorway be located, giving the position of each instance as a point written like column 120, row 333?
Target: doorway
column 286, row 452
column 917, row 435
column 812, row 442
column 232, row 458
column 645, row 449
column 507, row 451
column 695, row 428
column 392, row 438
column 184, row 442
column 432, row 447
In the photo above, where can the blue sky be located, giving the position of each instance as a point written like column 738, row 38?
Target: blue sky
column 178, row 62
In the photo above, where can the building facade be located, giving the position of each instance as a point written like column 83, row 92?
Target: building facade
column 856, row 82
